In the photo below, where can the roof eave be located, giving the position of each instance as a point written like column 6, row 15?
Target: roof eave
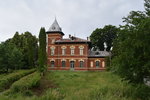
column 53, row 32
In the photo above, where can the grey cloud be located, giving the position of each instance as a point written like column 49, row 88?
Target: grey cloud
column 79, row 17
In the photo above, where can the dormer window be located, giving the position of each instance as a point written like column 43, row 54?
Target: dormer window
column 53, row 28
column 97, row 53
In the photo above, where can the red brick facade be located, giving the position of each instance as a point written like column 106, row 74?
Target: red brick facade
column 71, row 53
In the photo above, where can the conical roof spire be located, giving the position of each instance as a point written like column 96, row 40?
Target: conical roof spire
column 55, row 27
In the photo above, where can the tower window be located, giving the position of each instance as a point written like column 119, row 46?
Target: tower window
column 52, row 51
column 53, row 41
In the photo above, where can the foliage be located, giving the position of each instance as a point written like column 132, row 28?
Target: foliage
column 88, row 86
column 27, row 44
column 101, row 35
column 132, row 50
column 10, row 57
column 42, row 59
column 6, row 81
column 25, row 83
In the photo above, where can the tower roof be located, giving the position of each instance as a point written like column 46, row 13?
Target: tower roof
column 55, row 28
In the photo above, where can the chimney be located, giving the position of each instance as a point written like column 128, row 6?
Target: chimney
column 88, row 38
column 105, row 46
column 72, row 38
column 69, row 36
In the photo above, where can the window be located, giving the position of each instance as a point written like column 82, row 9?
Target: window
column 91, row 64
column 97, row 63
column 53, row 40
column 103, row 64
column 52, row 51
column 52, row 63
column 81, row 51
column 81, row 63
column 63, row 64
column 72, row 51
column 71, row 64
column 63, row 51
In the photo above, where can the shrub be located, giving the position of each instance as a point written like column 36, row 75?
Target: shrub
column 25, row 83
column 6, row 81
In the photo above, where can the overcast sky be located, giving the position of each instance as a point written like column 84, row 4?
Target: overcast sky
column 76, row 17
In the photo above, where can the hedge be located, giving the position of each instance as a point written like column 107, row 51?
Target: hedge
column 26, row 83
column 6, row 81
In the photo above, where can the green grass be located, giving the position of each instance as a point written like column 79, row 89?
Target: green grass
column 87, row 86
column 24, row 84
column 7, row 80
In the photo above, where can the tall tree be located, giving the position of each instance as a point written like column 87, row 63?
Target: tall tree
column 27, row 44
column 42, row 50
column 101, row 35
column 132, row 50
column 10, row 57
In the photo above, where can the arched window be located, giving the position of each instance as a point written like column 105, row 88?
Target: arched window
column 81, row 64
column 63, row 63
column 53, row 41
column 52, row 64
column 52, row 50
column 81, row 49
column 63, row 51
column 72, row 48
column 97, row 64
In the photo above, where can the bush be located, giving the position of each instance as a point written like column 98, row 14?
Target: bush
column 26, row 83
column 142, row 92
column 6, row 81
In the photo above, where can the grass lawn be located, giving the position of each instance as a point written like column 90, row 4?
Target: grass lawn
column 89, row 86
column 78, row 85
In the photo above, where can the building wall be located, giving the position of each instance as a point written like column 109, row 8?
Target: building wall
column 58, row 57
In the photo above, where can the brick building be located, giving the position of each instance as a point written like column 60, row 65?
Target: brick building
column 72, row 53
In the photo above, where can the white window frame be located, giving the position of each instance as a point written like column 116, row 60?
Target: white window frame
column 52, row 51
column 81, row 51
column 63, row 51
column 72, row 51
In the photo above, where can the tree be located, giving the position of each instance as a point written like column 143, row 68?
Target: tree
column 131, row 48
column 42, row 50
column 10, row 57
column 27, row 44
column 101, row 35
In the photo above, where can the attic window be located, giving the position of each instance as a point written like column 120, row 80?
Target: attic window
column 97, row 53
column 53, row 28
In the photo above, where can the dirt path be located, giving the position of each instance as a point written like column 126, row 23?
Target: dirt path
column 44, row 85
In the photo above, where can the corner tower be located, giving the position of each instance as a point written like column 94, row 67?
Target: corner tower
column 54, row 33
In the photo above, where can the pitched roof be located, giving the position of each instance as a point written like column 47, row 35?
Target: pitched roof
column 72, row 39
column 98, row 53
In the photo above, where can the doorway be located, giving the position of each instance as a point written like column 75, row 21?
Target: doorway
column 71, row 65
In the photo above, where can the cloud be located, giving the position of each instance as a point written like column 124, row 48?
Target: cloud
column 79, row 17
